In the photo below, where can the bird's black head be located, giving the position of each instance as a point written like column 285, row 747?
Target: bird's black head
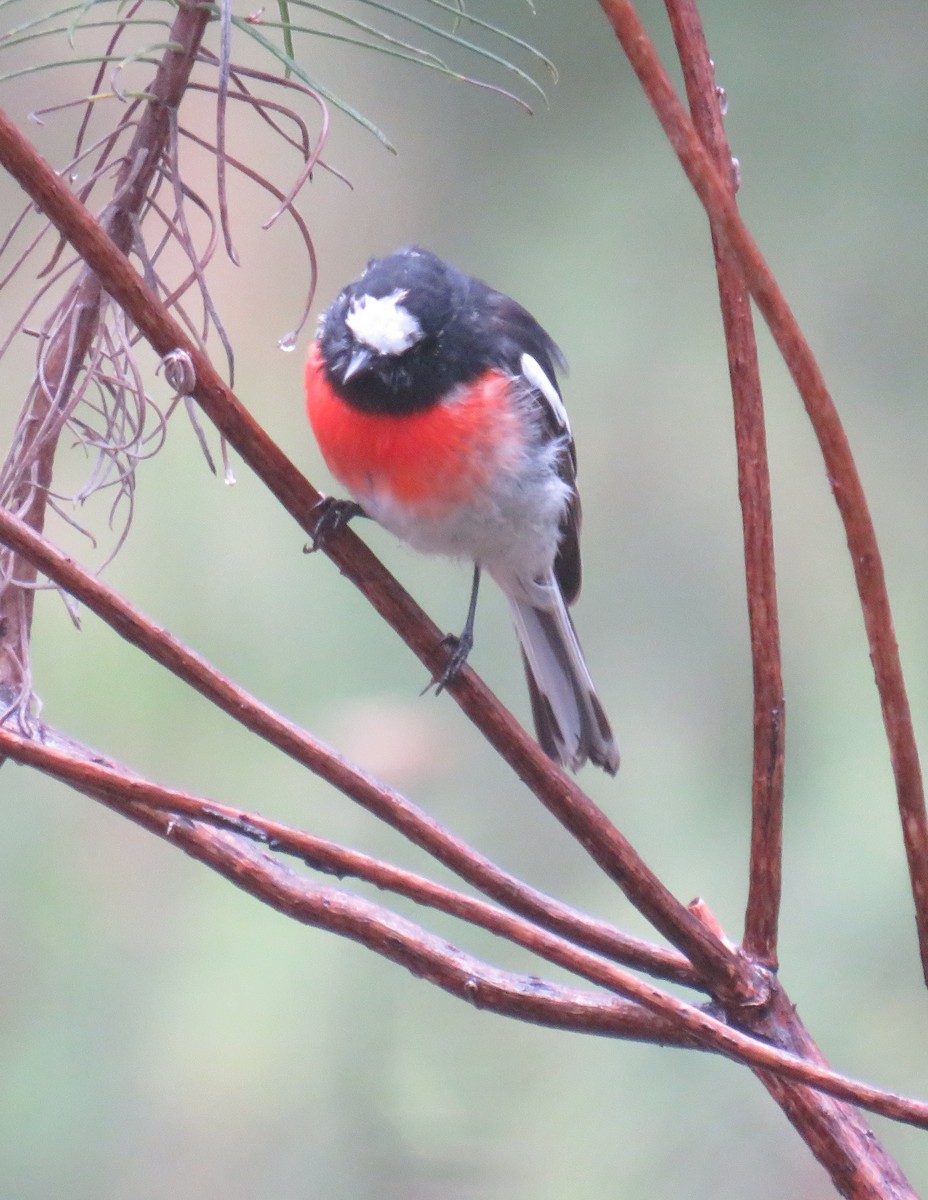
column 383, row 339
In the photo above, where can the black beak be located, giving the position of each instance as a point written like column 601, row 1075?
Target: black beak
column 360, row 357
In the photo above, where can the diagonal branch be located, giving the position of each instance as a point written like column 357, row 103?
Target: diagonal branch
column 765, row 876
column 89, row 772
column 390, row 942
column 192, row 823
column 730, row 975
column 836, row 1134
column 388, row 806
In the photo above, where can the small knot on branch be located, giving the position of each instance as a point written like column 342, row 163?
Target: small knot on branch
column 179, row 371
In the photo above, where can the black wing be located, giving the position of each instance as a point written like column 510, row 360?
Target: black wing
column 527, row 351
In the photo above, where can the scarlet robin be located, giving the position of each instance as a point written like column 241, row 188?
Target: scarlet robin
column 435, row 403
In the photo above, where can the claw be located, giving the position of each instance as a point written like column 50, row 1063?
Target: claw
column 460, row 648
column 331, row 516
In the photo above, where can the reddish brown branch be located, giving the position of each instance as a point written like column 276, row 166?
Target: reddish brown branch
column 731, row 977
column 836, row 1134
column 760, row 936
column 390, row 807
column 675, row 1021
column 61, row 360
column 113, row 784
column 858, row 1165
column 713, row 190
column 427, row 956
column 325, row 906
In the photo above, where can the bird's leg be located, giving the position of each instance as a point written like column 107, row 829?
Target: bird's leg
column 330, row 515
column 460, row 646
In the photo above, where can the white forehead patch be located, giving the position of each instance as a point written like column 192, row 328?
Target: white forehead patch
column 383, row 324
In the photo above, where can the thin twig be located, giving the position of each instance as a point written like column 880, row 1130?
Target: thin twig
column 765, row 877
column 858, row 1165
column 712, row 189
column 63, row 354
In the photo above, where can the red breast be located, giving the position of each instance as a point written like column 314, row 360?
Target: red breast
column 433, row 459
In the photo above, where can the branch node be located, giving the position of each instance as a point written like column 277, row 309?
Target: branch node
column 179, row 371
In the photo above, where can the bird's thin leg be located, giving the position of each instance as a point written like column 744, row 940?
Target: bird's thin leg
column 331, row 515
column 460, row 646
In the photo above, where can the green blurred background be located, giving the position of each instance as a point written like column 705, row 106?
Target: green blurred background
column 163, row 1035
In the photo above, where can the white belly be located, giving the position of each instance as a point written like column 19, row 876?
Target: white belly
column 511, row 529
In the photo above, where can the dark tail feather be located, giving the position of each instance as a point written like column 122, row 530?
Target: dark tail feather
column 569, row 719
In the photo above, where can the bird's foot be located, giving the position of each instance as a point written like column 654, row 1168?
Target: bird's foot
column 329, row 516
column 460, row 647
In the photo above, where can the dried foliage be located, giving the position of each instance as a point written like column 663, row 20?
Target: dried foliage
column 130, row 163
column 138, row 273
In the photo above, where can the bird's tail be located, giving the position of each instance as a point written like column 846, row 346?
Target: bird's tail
column 569, row 719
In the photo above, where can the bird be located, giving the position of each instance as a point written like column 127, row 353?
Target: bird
column 435, row 403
